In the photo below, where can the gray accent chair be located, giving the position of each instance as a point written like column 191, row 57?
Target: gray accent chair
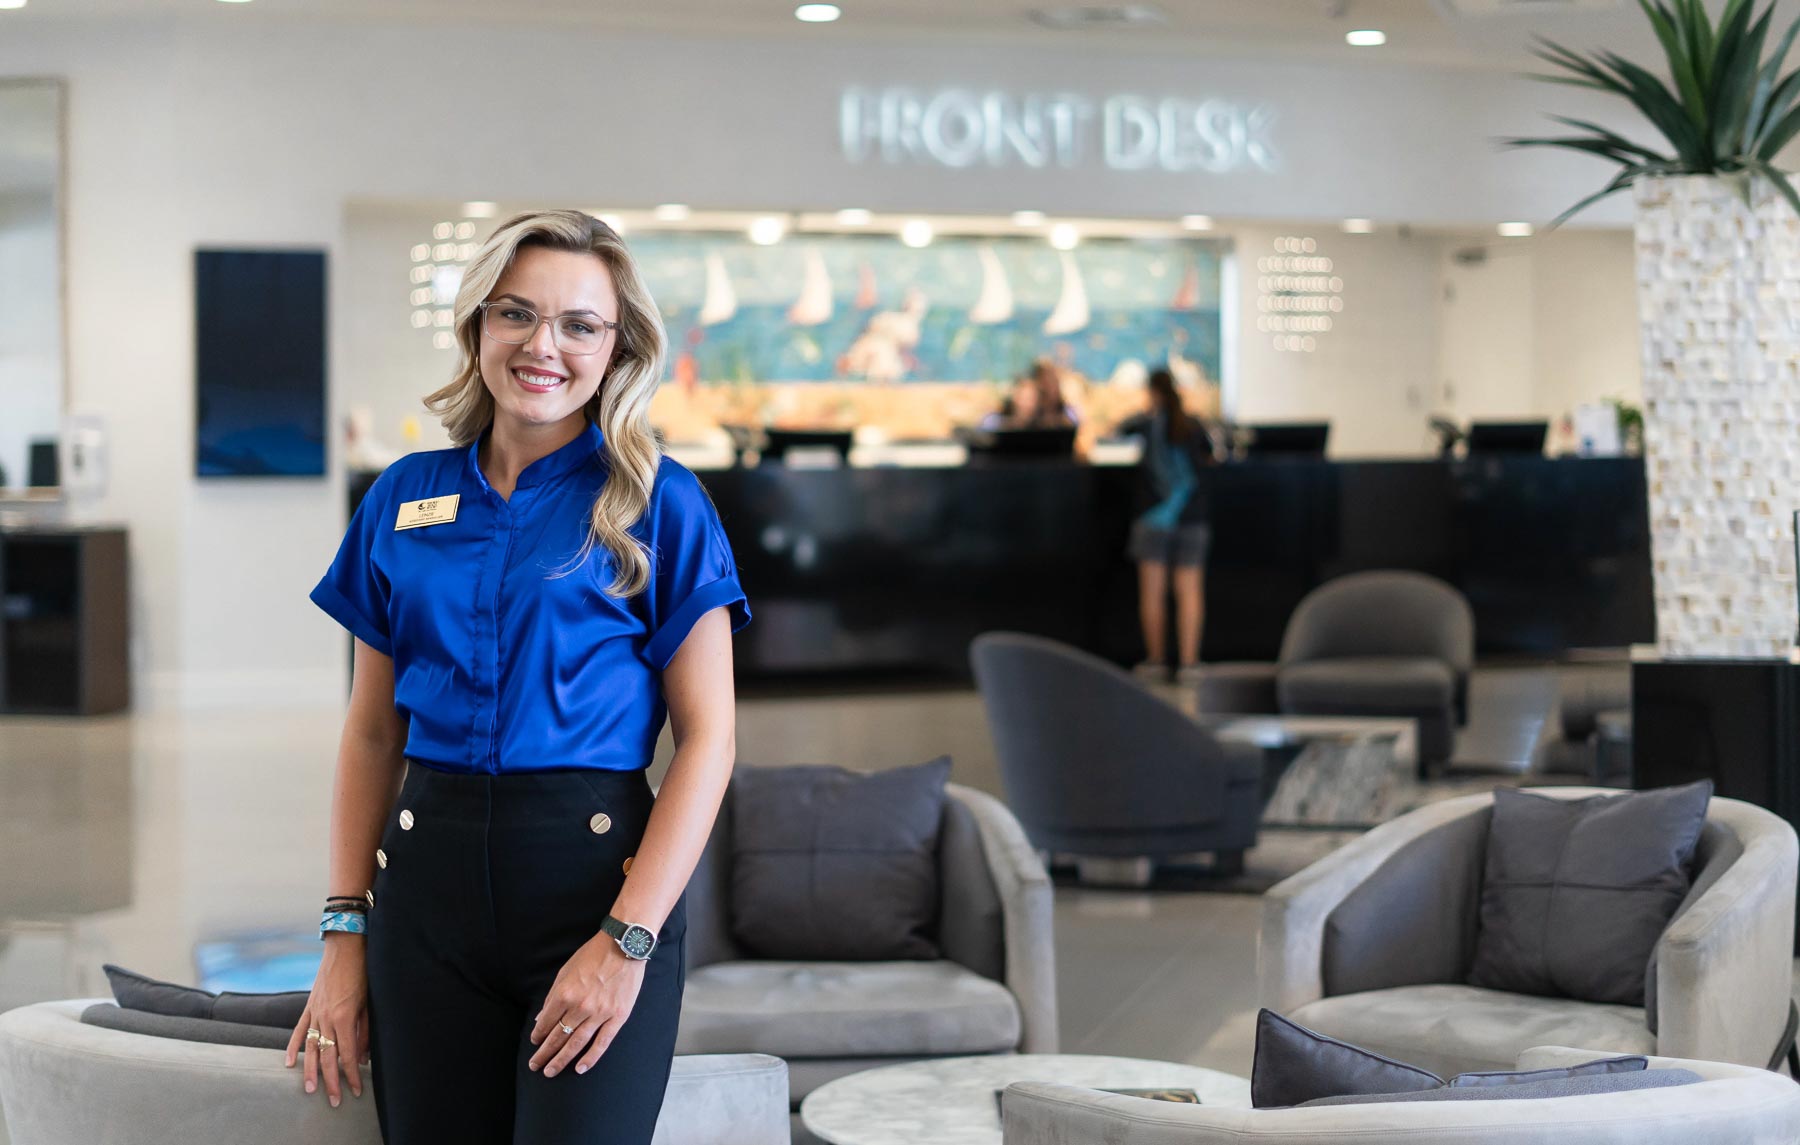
column 993, row 992
column 64, row 1082
column 1373, row 944
column 1386, row 643
column 1095, row 765
column 1730, row 1105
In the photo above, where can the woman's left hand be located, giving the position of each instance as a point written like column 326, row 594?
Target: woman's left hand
column 594, row 993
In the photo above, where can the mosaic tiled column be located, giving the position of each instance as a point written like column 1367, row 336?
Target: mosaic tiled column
column 1719, row 308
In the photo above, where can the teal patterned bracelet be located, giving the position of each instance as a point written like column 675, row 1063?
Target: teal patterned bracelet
column 347, row 921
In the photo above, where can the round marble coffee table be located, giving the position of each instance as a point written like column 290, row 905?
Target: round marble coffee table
column 950, row 1101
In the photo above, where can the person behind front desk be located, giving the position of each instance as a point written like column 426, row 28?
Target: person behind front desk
column 1036, row 401
column 1171, row 532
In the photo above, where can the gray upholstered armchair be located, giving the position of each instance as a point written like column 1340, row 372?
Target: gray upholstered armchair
column 1095, row 765
column 67, row 1082
column 1372, row 944
column 1384, row 643
column 993, row 992
column 1729, row 1105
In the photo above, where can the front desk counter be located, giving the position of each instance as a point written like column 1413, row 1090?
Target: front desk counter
column 899, row 568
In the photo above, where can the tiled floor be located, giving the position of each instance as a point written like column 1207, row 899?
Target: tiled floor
column 129, row 839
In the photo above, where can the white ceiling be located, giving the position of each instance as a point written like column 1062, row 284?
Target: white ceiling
column 1457, row 33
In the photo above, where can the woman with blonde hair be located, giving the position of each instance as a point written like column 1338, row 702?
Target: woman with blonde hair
column 505, row 934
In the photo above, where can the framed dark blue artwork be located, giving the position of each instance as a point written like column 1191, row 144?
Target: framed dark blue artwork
column 259, row 363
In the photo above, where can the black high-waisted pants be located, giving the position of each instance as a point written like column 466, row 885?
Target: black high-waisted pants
column 486, row 885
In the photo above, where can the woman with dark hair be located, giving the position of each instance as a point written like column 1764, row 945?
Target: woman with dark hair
column 1172, row 531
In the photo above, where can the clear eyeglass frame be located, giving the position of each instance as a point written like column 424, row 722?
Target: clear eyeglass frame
column 556, row 330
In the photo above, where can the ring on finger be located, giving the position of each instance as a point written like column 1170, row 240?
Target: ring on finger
column 313, row 1035
column 566, row 1028
column 325, row 1041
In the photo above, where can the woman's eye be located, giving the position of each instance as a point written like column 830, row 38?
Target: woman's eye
column 574, row 327
column 516, row 315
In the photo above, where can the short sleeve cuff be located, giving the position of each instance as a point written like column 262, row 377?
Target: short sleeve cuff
column 338, row 607
column 666, row 641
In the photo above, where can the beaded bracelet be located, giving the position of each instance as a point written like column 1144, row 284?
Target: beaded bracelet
column 346, row 921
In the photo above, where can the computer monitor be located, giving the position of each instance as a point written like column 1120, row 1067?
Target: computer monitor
column 1044, row 441
column 1288, row 439
column 776, row 442
column 41, row 467
column 1507, row 436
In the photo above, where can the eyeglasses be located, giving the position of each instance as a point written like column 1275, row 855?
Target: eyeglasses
column 515, row 325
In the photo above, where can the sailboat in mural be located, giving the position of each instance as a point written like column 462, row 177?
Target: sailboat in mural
column 1071, row 313
column 1188, row 296
column 720, row 303
column 813, row 307
column 995, row 303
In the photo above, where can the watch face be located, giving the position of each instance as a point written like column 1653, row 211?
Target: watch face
column 638, row 942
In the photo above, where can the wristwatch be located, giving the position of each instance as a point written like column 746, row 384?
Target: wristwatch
column 636, row 941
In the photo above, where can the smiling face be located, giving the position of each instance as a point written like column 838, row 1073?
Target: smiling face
column 537, row 384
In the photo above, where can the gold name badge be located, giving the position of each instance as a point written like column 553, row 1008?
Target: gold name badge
column 431, row 511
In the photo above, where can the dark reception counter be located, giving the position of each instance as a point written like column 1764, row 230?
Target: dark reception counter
column 898, row 568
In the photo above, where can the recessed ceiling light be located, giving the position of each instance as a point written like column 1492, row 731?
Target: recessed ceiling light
column 1197, row 222
column 854, row 217
column 1365, row 38
column 817, row 13
column 671, row 212
column 1028, row 218
column 12, row 3
column 480, row 209
column 234, row 1
column 916, row 233
column 1514, row 230
column 1358, row 226
column 768, row 230
column 1064, row 236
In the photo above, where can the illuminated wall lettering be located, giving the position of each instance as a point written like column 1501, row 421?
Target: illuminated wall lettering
column 960, row 128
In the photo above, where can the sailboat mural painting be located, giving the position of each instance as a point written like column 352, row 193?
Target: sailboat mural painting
column 823, row 307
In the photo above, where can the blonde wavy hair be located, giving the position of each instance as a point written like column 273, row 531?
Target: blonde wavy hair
column 621, row 407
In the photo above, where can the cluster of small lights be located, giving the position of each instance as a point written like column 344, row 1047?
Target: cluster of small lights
column 1296, row 294
column 437, row 273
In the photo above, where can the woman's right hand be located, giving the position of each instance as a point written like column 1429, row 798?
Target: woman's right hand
column 339, row 1010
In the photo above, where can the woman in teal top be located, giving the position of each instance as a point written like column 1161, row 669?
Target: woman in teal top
column 1172, row 532
column 505, row 932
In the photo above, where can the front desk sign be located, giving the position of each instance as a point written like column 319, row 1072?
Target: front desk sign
column 962, row 128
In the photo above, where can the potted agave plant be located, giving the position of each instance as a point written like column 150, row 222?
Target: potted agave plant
column 1718, row 270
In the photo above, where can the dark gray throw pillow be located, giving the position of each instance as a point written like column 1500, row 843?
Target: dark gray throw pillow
column 185, row 1029
column 1575, row 1086
column 1294, row 1065
column 134, row 991
column 1577, row 891
column 828, row 865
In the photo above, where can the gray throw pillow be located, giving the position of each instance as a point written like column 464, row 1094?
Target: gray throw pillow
column 185, row 1028
column 1294, row 1065
column 1579, row 1086
column 828, row 865
column 1577, row 891
column 134, row 991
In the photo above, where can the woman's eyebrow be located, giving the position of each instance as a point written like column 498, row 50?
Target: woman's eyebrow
column 524, row 301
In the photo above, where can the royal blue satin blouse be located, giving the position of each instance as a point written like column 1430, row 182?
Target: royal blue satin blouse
column 500, row 665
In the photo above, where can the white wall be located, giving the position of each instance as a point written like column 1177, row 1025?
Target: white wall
column 213, row 133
